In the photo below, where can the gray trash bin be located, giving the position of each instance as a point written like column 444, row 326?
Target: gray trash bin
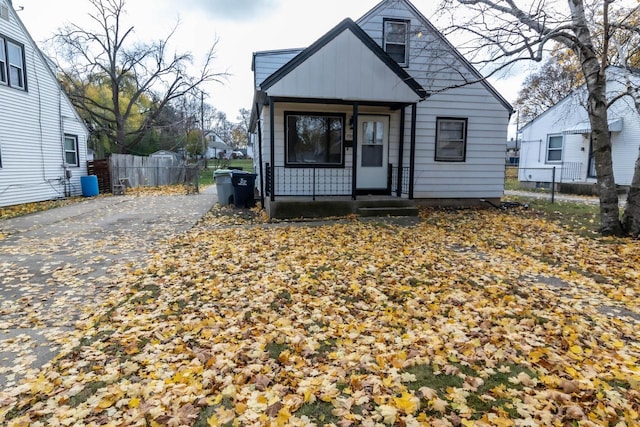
column 224, row 187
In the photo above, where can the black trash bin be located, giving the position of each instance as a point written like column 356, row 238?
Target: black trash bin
column 243, row 184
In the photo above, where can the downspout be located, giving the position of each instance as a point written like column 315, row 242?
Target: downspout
column 401, row 151
column 412, row 155
column 260, row 156
column 272, row 154
column 354, row 160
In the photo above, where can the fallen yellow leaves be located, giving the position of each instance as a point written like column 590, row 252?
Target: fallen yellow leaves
column 465, row 318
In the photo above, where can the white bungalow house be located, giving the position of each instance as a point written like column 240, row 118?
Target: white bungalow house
column 560, row 139
column 43, row 141
column 380, row 107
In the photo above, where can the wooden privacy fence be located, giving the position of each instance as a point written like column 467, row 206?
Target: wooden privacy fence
column 147, row 171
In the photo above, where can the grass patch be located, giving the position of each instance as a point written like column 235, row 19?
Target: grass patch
column 274, row 349
column 318, row 412
column 503, row 379
column 581, row 218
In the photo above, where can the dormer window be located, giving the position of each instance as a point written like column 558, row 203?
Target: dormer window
column 396, row 40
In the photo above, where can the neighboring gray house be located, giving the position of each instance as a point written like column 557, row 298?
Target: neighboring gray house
column 43, row 141
column 560, row 138
column 371, row 108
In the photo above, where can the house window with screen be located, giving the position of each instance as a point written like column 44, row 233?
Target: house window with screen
column 451, row 139
column 396, row 40
column 314, row 139
column 71, row 150
column 12, row 64
column 3, row 62
column 554, row 148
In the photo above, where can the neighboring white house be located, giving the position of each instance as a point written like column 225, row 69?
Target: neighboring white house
column 43, row 142
column 560, row 138
column 216, row 147
column 372, row 108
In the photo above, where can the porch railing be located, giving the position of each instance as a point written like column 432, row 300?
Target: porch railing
column 311, row 181
column 404, row 181
column 571, row 171
column 322, row 181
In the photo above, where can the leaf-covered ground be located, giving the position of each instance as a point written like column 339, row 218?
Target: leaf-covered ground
column 459, row 318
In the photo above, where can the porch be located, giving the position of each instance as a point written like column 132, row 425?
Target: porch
column 287, row 207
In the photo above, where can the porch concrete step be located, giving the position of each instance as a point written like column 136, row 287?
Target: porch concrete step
column 389, row 211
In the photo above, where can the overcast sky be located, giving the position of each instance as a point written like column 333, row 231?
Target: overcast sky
column 240, row 26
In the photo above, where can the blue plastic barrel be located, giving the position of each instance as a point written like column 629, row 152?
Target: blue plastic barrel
column 89, row 185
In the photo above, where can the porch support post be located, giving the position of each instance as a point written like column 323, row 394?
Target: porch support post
column 262, row 186
column 354, row 181
column 412, row 154
column 272, row 153
column 401, row 152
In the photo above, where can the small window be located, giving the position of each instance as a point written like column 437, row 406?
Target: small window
column 15, row 56
column 396, row 40
column 554, row 148
column 0, row 156
column 451, row 140
column 314, row 139
column 71, row 150
column 3, row 62
column 372, row 144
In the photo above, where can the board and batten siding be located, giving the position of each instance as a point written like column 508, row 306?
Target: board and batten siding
column 32, row 128
column 435, row 66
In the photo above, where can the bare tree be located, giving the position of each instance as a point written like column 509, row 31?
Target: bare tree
column 105, row 55
column 501, row 32
column 545, row 88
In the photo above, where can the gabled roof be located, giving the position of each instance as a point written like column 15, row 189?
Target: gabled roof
column 346, row 25
column 423, row 19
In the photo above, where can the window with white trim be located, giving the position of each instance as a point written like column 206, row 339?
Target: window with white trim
column 12, row 69
column 451, row 139
column 3, row 62
column 396, row 40
column 71, row 150
column 554, row 148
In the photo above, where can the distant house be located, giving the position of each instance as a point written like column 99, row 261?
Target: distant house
column 372, row 109
column 43, row 141
column 560, row 138
column 165, row 154
column 216, row 147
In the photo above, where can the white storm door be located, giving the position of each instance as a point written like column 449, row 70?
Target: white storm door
column 373, row 152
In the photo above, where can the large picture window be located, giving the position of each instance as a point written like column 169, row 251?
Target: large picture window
column 12, row 64
column 314, row 139
column 451, row 140
column 71, row 150
column 396, row 40
column 554, row 148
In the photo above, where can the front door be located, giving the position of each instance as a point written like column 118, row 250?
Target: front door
column 373, row 152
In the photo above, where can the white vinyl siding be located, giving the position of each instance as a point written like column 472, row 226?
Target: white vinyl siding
column 33, row 127
column 435, row 67
column 570, row 114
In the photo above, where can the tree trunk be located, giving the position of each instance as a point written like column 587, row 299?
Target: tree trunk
column 631, row 218
column 595, row 76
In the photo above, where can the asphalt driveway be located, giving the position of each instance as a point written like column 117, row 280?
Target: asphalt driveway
column 56, row 265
